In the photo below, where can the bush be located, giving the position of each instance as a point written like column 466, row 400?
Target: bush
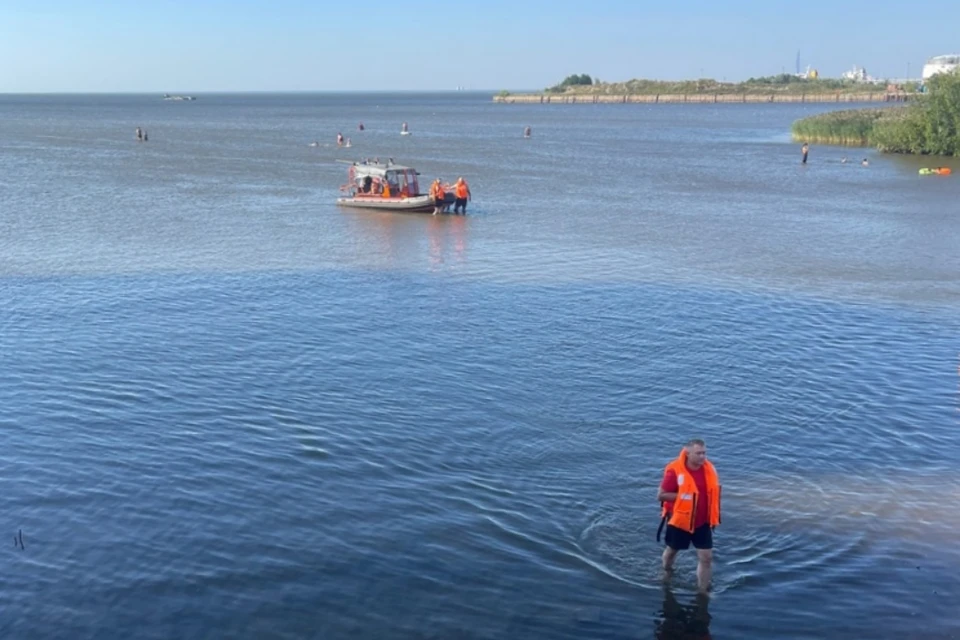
column 571, row 81
column 930, row 126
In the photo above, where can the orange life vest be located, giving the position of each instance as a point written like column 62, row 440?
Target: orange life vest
column 386, row 189
column 462, row 190
column 440, row 193
column 682, row 513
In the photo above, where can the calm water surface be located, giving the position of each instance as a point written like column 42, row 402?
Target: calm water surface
column 230, row 409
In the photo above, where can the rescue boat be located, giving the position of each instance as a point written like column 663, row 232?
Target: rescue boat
column 387, row 187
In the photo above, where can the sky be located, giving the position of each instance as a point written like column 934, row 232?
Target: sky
column 176, row 46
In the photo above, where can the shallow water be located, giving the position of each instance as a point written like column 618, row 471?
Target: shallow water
column 231, row 408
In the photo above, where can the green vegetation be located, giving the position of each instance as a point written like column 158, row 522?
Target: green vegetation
column 781, row 84
column 582, row 80
column 503, row 93
column 931, row 125
column 852, row 127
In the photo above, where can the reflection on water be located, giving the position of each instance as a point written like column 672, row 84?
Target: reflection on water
column 687, row 618
column 402, row 241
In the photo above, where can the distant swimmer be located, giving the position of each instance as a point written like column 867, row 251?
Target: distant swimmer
column 139, row 134
column 348, row 143
column 360, row 127
column 404, row 130
column 527, row 132
column 339, row 139
column 804, row 150
column 145, row 135
column 843, row 160
column 314, row 144
column 690, row 499
column 864, row 162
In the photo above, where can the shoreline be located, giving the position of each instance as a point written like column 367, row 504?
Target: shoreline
column 702, row 98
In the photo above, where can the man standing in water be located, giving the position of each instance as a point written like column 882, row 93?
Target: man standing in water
column 804, row 150
column 690, row 499
column 462, row 192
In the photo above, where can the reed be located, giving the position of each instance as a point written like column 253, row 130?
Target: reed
column 852, row 127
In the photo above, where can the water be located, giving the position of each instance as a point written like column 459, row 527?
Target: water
column 231, row 409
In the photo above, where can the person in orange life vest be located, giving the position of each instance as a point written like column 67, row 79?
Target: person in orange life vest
column 436, row 190
column 386, row 189
column 462, row 191
column 690, row 495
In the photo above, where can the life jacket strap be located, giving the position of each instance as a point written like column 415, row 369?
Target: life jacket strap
column 663, row 521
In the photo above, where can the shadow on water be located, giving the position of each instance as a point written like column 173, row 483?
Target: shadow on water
column 683, row 620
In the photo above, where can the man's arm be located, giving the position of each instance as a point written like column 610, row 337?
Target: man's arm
column 668, row 488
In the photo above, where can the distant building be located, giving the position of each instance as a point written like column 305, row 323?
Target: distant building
column 941, row 64
column 857, row 74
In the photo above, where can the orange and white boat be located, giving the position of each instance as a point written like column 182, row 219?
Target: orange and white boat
column 386, row 186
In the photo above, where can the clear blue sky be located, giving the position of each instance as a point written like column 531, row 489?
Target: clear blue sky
column 246, row 45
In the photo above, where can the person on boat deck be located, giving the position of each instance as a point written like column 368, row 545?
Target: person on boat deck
column 386, row 189
column 436, row 190
column 462, row 191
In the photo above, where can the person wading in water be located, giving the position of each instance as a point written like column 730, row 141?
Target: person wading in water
column 690, row 507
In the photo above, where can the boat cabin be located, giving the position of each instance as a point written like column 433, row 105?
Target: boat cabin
column 368, row 179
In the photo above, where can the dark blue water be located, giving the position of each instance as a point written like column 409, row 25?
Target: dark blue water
column 233, row 410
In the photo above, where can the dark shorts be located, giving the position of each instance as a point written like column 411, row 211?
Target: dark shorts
column 702, row 538
column 460, row 202
column 438, row 202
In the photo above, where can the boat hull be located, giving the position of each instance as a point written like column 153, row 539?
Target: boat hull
column 416, row 204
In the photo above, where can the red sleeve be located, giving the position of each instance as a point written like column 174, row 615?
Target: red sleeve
column 669, row 484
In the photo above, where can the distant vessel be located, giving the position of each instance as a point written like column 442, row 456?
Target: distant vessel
column 857, row 74
column 167, row 96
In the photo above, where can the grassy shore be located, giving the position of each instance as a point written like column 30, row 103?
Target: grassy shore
column 930, row 125
column 783, row 84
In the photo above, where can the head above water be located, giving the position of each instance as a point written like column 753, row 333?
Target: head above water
column 696, row 453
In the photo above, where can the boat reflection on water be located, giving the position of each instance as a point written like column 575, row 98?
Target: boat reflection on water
column 448, row 238
column 677, row 621
column 385, row 239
